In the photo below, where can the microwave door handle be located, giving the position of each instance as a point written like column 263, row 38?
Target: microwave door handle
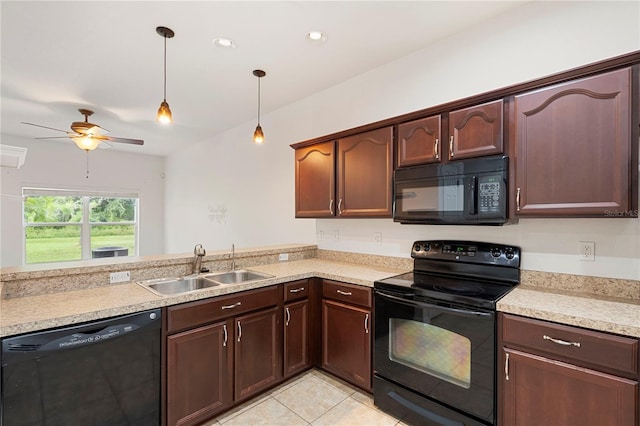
column 473, row 190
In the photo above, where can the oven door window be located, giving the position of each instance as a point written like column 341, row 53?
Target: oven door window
column 431, row 350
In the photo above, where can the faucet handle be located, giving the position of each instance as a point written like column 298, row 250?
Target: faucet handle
column 198, row 250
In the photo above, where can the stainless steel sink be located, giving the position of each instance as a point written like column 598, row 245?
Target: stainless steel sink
column 178, row 285
column 168, row 286
column 236, row 277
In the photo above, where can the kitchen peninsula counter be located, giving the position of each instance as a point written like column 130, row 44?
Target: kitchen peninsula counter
column 603, row 304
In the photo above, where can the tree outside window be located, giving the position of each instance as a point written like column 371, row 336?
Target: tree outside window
column 64, row 225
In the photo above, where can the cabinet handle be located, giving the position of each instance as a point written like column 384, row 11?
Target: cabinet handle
column 506, row 366
column 436, row 154
column 239, row 331
column 226, row 337
column 451, row 147
column 296, row 290
column 518, row 199
column 286, row 321
column 561, row 342
column 331, row 207
column 340, row 207
column 344, row 293
column 235, row 305
column 366, row 323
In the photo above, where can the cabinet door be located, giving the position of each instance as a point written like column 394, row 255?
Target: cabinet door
column 419, row 142
column 476, row 131
column 540, row 391
column 573, row 148
column 199, row 381
column 296, row 337
column 365, row 173
column 346, row 342
column 315, row 180
column 258, row 352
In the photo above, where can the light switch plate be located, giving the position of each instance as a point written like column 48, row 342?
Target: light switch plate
column 283, row 256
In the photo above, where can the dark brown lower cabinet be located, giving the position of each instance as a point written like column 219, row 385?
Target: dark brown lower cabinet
column 554, row 374
column 257, row 352
column 296, row 337
column 346, row 342
column 200, row 375
column 542, row 391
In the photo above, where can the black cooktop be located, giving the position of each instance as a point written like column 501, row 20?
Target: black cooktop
column 460, row 272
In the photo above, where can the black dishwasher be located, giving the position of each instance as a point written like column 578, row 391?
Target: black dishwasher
column 99, row 373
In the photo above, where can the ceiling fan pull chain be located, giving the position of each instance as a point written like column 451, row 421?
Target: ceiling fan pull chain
column 87, row 151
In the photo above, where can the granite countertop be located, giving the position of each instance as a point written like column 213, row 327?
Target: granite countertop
column 591, row 308
column 39, row 312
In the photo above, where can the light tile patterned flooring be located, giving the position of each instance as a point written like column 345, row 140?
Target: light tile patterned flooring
column 313, row 398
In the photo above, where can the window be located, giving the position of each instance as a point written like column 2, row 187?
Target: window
column 64, row 225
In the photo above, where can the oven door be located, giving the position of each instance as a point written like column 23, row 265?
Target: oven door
column 444, row 353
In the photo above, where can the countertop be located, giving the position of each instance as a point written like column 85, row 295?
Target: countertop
column 27, row 314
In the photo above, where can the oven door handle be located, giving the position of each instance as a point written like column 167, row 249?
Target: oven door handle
column 471, row 313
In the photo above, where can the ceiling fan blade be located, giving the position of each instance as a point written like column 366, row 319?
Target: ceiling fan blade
column 44, row 127
column 123, row 140
column 55, row 137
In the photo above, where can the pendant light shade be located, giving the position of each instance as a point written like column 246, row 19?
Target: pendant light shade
column 258, row 135
column 164, row 112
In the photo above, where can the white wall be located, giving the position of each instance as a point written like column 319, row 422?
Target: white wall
column 63, row 165
column 254, row 185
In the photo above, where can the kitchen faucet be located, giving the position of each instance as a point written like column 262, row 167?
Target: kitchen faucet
column 198, row 254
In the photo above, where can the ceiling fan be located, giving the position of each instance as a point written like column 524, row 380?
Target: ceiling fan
column 86, row 135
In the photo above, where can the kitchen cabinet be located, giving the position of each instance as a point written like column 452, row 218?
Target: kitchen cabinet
column 558, row 374
column 573, row 148
column 476, row 131
column 346, row 332
column 363, row 167
column 297, row 328
column 419, row 141
column 221, row 351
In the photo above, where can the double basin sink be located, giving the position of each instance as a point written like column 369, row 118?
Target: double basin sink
column 170, row 286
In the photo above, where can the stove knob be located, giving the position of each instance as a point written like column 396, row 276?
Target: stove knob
column 496, row 252
column 509, row 253
column 427, row 247
column 417, row 247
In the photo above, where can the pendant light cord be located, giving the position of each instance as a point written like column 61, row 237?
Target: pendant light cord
column 259, row 78
column 165, row 67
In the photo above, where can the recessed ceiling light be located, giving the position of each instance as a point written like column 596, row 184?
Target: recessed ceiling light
column 224, row 42
column 316, row 36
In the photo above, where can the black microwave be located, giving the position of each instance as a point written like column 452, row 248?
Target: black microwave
column 463, row 192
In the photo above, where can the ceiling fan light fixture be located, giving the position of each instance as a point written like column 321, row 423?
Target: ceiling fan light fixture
column 86, row 143
column 258, row 134
column 164, row 115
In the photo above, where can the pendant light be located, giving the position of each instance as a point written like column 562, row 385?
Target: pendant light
column 164, row 112
column 258, row 135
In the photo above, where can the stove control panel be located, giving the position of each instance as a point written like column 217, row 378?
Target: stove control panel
column 467, row 252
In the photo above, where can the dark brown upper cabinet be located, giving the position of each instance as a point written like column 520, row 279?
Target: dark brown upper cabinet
column 315, row 180
column 351, row 177
column 419, row 141
column 475, row 131
column 573, row 148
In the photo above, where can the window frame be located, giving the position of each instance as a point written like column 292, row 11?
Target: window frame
column 85, row 224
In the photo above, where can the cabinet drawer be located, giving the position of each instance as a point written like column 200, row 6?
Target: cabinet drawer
column 349, row 293
column 589, row 348
column 193, row 314
column 296, row 290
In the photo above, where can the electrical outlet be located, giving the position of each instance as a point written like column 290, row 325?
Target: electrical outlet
column 335, row 235
column 283, row 256
column 320, row 235
column 119, row 277
column 377, row 238
column 587, row 250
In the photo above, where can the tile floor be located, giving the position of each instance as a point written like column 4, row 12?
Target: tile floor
column 313, row 398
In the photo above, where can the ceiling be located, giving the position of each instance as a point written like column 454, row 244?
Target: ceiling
column 106, row 56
